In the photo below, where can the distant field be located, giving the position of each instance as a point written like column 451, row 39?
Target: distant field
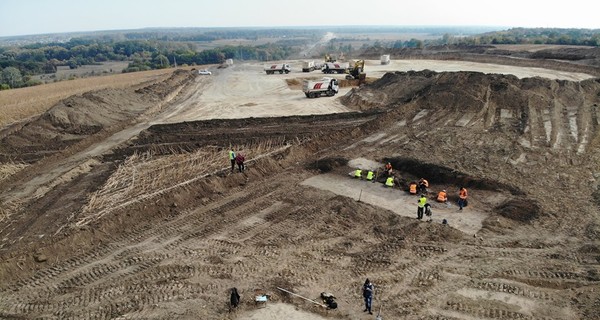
column 65, row 73
column 19, row 104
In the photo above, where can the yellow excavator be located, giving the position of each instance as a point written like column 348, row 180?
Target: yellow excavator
column 356, row 71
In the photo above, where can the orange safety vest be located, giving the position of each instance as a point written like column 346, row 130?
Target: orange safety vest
column 442, row 197
column 413, row 188
column 463, row 193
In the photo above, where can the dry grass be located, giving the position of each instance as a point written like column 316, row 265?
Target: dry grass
column 143, row 177
column 7, row 170
column 20, row 104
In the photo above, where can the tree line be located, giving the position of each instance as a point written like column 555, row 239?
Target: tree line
column 18, row 64
column 578, row 37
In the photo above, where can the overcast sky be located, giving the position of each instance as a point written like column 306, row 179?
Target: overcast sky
column 23, row 17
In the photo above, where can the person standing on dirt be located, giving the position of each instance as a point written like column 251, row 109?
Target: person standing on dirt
column 239, row 159
column 367, row 292
column 232, row 159
column 421, row 206
column 462, row 198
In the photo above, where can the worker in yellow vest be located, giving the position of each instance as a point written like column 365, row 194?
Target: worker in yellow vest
column 389, row 182
column 232, row 159
column 358, row 174
column 370, row 175
column 421, row 207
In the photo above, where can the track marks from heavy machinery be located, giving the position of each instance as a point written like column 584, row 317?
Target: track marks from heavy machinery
column 146, row 257
column 258, row 235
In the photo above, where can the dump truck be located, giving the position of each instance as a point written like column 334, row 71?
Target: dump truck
column 308, row 66
column 336, row 67
column 325, row 86
column 385, row 59
column 281, row 68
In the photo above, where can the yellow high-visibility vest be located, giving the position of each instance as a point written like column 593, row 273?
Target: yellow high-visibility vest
column 389, row 182
column 358, row 173
column 422, row 202
column 370, row 175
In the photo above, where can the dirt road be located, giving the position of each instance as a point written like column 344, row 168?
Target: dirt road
column 292, row 220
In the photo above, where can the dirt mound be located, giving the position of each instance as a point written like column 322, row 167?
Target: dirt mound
column 522, row 210
column 327, row 164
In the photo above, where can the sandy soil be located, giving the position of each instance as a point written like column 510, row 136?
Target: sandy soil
column 292, row 220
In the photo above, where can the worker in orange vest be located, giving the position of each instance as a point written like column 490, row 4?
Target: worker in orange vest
column 442, row 196
column 412, row 187
column 462, row 198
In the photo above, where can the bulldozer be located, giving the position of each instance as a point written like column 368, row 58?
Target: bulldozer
column 357, row 71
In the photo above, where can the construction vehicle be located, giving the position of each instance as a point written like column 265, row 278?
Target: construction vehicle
column 325, row 86
column 308, row 66
column 329, row 58
column 336, row 67
column 281, row 68
column 356, row 70
column 385, row 59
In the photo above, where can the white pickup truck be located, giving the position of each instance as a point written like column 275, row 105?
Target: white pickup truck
column 325, row 86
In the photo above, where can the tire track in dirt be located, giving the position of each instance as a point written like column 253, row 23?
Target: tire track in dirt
column 81, row 271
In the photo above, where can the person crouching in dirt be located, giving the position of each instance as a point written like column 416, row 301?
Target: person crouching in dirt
column 239, row 159
column 358, row 173
column 428, row 212
column 412, row 187
column 442, row 196
column 388, row 169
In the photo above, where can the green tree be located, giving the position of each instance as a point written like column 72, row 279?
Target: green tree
column 161, row 61
column 12, row 76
